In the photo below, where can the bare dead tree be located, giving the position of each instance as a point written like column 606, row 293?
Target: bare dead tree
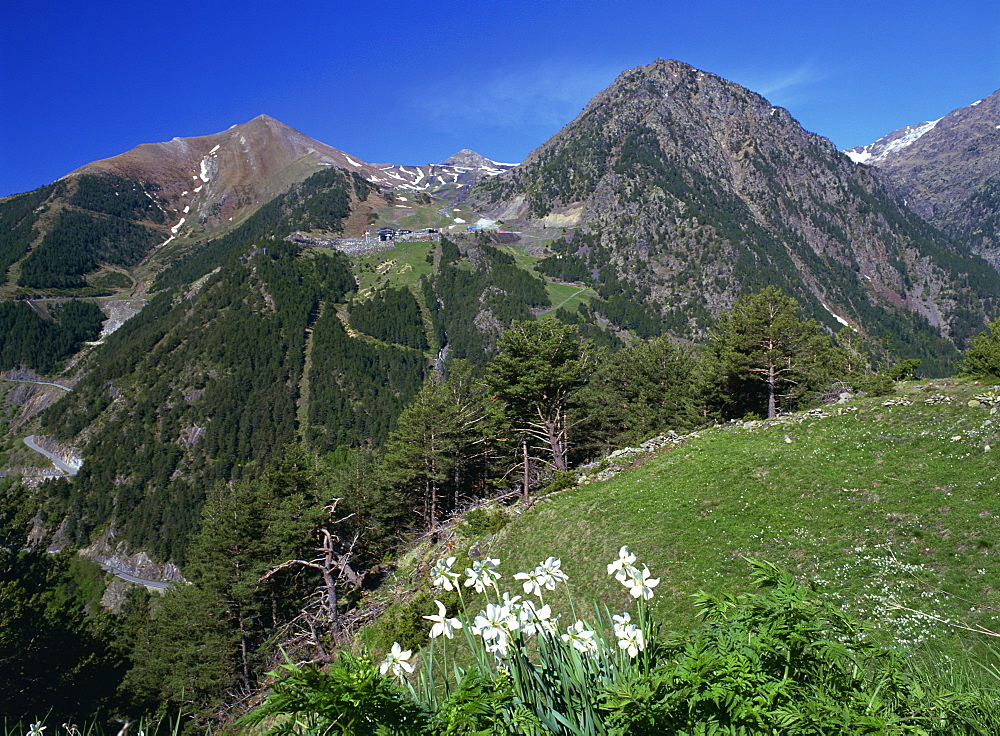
column 321, row 616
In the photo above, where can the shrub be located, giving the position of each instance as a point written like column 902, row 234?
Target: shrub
column 403, row 622
column 562, row 480
column 484, row 522
column 983, row 356
column 779, row 660
column 876, row 384
column 905, row 370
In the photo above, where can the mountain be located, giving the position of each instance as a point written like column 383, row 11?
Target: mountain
column 211, row 180
column 251, row 343
column 672, row 193
column 111, row 224
column 448, row 179
column 207, row 180
column 679, row 190
column 948, row 171
column 241, row 350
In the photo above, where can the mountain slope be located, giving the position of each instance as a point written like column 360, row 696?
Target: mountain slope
column 222, row 176
column 687, row 189
column 113, row 223
column 252, row 343
column 876, row 504
column 948, row 171
column 205, row 383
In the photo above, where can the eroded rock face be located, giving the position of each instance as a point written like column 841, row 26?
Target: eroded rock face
column 106, row 551
column 687, row 188
column 207, row 182
column 30, row 392
column 948, row 171
column 140, row 566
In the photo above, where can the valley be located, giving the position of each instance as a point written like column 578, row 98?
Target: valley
column 683, row 323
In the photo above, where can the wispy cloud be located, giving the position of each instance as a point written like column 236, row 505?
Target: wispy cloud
column 544, row 95
column 786, row 87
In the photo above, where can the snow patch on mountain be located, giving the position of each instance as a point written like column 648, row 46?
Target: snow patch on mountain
column 890, row 144
column 836, row 316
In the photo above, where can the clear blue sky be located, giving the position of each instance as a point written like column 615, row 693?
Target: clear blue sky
column 413, row 82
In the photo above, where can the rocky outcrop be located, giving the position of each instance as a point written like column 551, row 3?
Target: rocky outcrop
column 688, row 189
column 948, row 171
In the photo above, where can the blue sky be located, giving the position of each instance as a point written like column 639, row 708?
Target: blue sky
column 413, row 82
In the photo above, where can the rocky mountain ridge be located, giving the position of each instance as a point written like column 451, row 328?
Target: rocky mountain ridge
column 680, row 190
column 208, row 181
column 948, row 172
column 695, row 189
column 110, row 226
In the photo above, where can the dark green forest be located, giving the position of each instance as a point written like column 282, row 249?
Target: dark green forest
column 29, row 341
column 78, row 244
column 118, row 197
column 202, row 387
column 392, row 316
column 475, row 295
column 18, row 217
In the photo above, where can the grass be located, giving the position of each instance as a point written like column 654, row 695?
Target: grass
column 566, row 296
column 423, row 216
column 884, row 509
column 402, row 265
column 521, row 258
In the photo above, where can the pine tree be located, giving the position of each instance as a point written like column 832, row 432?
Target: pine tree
column 640, row 391
column 212, row 636
column 762, row 354
column 538, row 372
column 983, row 356
column 438, row 443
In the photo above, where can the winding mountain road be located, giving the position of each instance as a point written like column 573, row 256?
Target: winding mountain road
column 40, row 383
column 158, row 584
column 64, row 467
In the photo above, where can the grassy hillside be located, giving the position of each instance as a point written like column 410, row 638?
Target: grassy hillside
column 879, row 506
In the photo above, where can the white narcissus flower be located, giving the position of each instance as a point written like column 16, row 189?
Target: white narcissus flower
column 442, row 624
column 618, row 568
column 580, row 638
column 511, row 601
column 631, row 639
column 493, row 623
column 481, row 574
column 512, row 605
column 442, row 576
column 497, row 647
column 640, row 584
column 535, row 620
column 553, row 567
column 620, row 622
column 546, row 575
column 396, row 661
column 533, row 581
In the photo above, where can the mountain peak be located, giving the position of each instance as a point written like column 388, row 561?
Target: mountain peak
column 947, row 171
column 467, row 157
column 265, row 119
column 884, row 147
column 675, row 171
